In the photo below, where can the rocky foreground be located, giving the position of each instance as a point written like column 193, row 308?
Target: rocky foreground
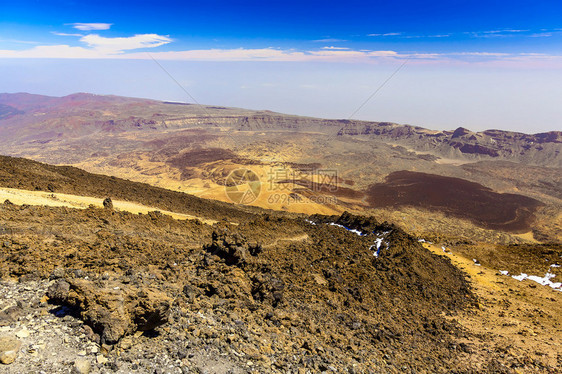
column 98, row 290
column 145, row 292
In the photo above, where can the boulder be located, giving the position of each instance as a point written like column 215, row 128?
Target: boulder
column 113, row 310
column 9, row 347
column 108, row 203
column 234, row 249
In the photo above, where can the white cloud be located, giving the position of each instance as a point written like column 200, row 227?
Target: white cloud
column 332, row 47
column 90, row 26
column 426, row 36
column 387, row 34
column 329, row 40
column 239, row 54
column 353, row 54
column 18, row 41
column 65, row 34
column 53, row 51
column 541, row 35
column 116, row 48
column 504, row 33
column 485, row 54
column 268, row 54
column 118, row 45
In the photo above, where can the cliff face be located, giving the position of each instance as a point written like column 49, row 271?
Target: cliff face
column 540, row 149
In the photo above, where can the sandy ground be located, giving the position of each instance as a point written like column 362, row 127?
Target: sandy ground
column 520, row 318
column 21, row 197
column 272, row 196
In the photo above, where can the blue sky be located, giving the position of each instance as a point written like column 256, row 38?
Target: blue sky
column 481, row 64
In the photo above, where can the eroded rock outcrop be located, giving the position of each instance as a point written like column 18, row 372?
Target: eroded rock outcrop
column 112, row 309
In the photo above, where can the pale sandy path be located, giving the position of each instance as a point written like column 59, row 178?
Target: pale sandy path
column 21, row 197
column 523, row 318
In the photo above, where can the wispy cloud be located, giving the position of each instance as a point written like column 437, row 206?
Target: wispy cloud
column 65, row 34
column 486, row 54
column 238, row 54
column 426, row 36
column 98, row 47
column 499, row 33
column 332, row 47
column 114, row 50
column 118, row 45
column 90, row 26
column 18, row 41
column 387, row 34
column 409, row 36
column 541, row 35
column 511, row 33
column 329, row 40
column 53, row 51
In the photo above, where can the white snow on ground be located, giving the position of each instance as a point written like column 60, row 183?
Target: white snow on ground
column 544, row 281
column 309, row 221
column 347, row 228
column 378, row 241
column 476, row 263
column 554, row 266
column 424, row 241
column 377, row 245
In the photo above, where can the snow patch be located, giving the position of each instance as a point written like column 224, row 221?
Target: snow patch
column 359, row 233
column 504, row 272
column 544, row 281
column 378, row 243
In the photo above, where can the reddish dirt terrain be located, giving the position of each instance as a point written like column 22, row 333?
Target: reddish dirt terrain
column 456, row 197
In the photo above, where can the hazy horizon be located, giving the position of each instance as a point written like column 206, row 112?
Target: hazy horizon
column 479, row 65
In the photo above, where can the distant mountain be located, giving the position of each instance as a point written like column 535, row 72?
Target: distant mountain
column 46, row 118
column 540, row 149
column 27, row 118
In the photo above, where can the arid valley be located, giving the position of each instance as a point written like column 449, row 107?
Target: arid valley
column 141, row 236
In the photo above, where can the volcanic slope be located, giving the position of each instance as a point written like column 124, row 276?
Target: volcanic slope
column 192, row 148
column 272, row 293
column 26, row 174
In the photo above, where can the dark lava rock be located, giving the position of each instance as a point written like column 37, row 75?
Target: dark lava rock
column 108, row 203
column 233, row 248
